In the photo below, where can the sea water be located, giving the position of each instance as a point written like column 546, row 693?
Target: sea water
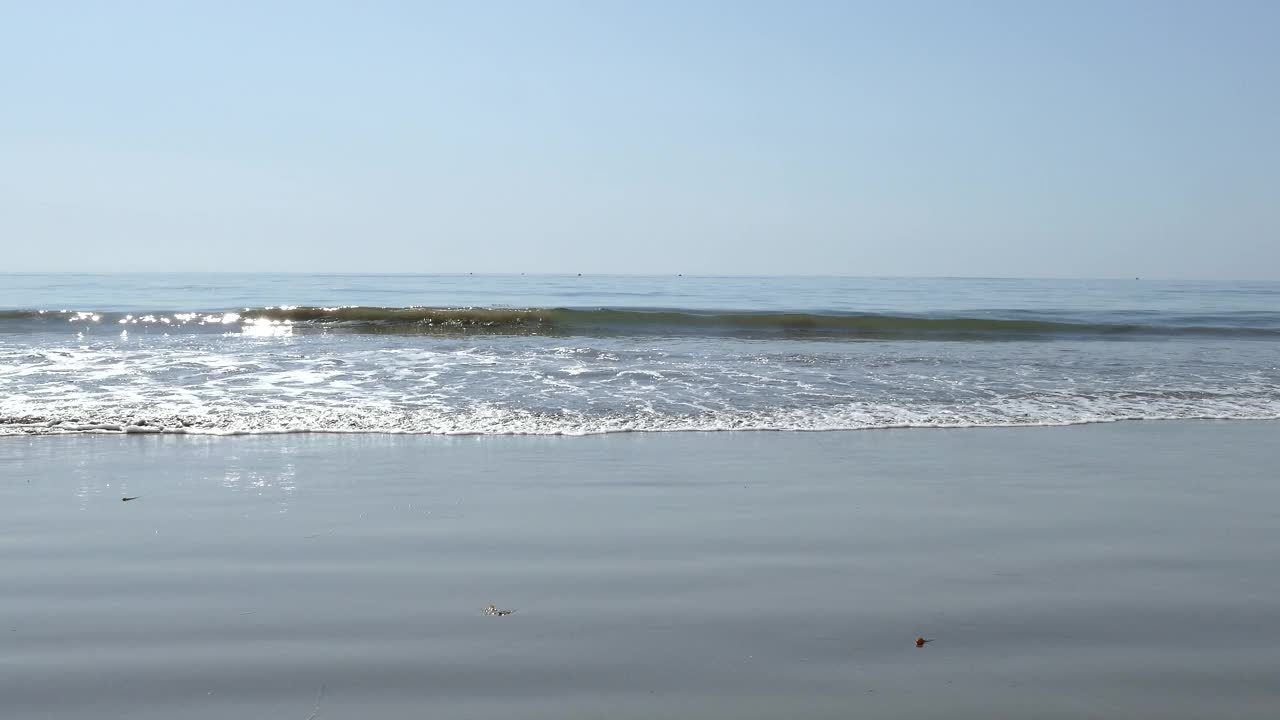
column 259, row 353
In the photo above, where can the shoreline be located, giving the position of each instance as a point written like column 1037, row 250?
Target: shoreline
column 127, row 429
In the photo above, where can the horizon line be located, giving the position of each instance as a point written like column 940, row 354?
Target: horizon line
column 833, row 276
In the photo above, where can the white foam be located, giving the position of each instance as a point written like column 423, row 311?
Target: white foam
column 233, row 384
column 504, row 421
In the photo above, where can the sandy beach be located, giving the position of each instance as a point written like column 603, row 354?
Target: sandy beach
column 1097, row 571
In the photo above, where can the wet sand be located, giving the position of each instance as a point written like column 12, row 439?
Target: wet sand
column 1117, row 571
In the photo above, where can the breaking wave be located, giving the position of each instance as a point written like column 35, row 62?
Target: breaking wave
column 566, row 322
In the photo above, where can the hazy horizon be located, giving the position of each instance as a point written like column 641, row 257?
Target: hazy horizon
column 1087, row 141
column 394, row 273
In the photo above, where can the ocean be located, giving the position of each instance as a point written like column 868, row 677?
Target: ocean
column 331, row 479
column 575, row 355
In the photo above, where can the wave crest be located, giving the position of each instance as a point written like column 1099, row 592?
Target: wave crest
column 637, row 322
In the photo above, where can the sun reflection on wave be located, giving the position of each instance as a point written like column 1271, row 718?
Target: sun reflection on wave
column 264, row 327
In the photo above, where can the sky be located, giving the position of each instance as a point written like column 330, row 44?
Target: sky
column 1072, row 139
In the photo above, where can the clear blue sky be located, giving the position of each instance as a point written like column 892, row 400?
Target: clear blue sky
column 952, row 138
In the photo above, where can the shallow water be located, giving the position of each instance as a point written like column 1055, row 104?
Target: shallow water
column 1096, row 571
